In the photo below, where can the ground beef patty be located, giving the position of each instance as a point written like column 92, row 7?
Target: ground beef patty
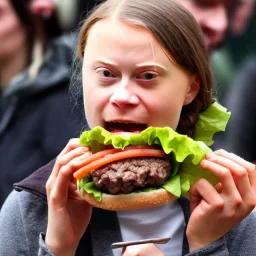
column 126, row 175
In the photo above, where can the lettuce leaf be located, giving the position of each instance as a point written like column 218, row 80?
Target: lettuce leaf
column 180, row 145
column 213, row 119
column 186, row 154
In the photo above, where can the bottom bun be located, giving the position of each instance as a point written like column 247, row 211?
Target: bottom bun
column 131, row 201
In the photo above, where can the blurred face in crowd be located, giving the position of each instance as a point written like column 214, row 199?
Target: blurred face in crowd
column 13, row 35
column 212, row 16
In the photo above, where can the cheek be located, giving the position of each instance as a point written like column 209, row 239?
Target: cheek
column 165, row 105
column 165, row 112
column 95, row 99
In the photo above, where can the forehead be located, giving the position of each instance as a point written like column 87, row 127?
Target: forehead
column 122, row 41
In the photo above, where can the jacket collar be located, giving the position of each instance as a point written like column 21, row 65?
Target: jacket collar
column 104, row 224
column 35, row 183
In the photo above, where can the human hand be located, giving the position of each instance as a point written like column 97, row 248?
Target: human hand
column 44, row 8
column 68, row 214
column 215, row 211
column 142, row 250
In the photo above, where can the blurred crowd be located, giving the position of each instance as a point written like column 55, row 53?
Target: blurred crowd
column 39, row 110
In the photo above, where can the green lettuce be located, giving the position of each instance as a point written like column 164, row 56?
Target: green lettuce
column 186, row 153
column 213, row 119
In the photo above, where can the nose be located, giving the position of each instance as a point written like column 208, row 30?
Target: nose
column 122, row 98
column 215, row 24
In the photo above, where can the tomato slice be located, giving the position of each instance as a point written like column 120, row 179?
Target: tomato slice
column 97, row 156
column 110, row 151
column 131, row 153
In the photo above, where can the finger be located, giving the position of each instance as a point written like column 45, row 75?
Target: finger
column 203, row 190
column 250, row 167
column 239, row 172
column 72, row 187
column 65, row 158
column 224, row 175
column 60, row 190
column 72, row 144
column 239, row 160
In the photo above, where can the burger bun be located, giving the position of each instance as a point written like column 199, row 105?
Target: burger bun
column 131, row 201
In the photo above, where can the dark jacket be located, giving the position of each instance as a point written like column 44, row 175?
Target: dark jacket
column 36, row 120
column 24, row 216
column 240, row 137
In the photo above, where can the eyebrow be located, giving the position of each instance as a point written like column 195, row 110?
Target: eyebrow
column 141, row 65
column 152, row 64
column 106, row 62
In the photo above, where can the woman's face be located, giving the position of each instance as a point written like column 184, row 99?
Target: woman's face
column 13, row 35
column 128, row 79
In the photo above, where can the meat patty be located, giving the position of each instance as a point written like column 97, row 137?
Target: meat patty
column 126, row 175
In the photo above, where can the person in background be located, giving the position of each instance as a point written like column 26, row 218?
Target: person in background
column 239, row 46
column 240, row 93
column 35, row 114
column 240, row 133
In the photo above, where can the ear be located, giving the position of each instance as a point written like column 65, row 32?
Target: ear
column 42, row 8
column 192, row 90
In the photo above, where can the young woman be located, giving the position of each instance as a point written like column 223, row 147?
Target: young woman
column 142, row 62
column 35, row 118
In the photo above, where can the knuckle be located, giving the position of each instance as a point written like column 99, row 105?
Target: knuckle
column 225, row 173
column 231, row 213
column 201, row 182
column 241, row 172
column 48, row 186
column 59, row 160
column 63, row 171
column 53, row 198
column 80, row 150
column 251, row 167
column 219, row 205
column 238, row 201
column 71, row 143
column 221, row 152
column 251, row 202
column 73, row 164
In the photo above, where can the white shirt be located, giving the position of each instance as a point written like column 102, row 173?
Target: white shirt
column 158, row 222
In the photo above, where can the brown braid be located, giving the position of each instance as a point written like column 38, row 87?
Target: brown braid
column 189, row 117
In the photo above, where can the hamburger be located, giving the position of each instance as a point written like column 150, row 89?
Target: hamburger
column 138, row 170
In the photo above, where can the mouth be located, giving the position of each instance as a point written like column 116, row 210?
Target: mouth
column 125, row 126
